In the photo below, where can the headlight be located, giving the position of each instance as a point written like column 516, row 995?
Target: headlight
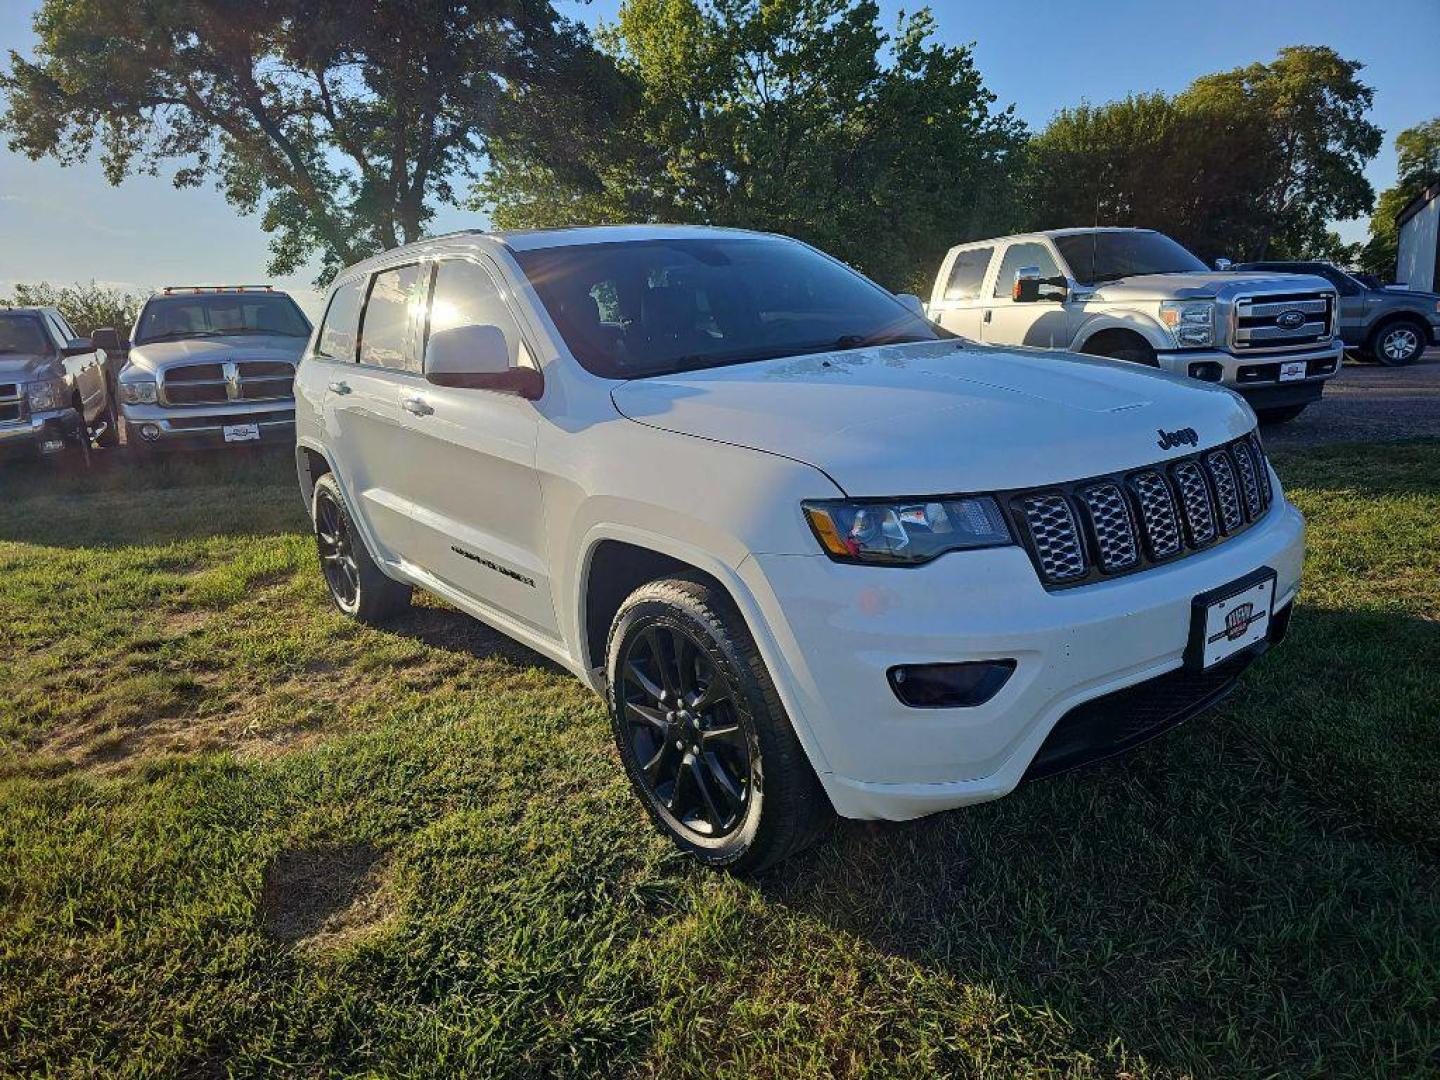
column 906, row 531
column 47, row 394
column 1191, row 324
column 138, row 393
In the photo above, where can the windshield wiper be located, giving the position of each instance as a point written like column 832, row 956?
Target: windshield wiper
column 864, row 341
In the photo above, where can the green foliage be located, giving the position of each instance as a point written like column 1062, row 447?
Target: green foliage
column 1249, row 163
column 86, row 305
column 797, row 116
column 343, row 126
column 1417, row 165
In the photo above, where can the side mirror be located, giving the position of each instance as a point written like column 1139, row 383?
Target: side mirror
column 476, row 357
column 1031, row 288
column 913, row 302
column 107, row 338
column 1223, row 264
column 76, row 346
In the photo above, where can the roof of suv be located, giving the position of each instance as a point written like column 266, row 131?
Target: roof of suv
column 531, row 239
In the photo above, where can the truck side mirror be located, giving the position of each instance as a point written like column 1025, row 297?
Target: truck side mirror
column 1030, row 287
column 107, row 338
column 476, row 357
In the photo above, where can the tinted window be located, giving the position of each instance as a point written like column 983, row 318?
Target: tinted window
column 172, row 318
column 341, row 328
column 1096, row 257
column 58, row 329
column 652, row 307
column 389, row 330
column 23, row 334
column 466, row 295
column 1022, row 255
column 968, row 273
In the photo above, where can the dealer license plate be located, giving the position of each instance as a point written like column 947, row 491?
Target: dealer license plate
column 241, row 432
column 1294, row 369
column 1231, row 618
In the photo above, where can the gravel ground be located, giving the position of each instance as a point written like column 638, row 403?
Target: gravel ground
column 1367, row 402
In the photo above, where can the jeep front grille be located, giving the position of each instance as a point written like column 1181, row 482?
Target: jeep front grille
column 216, row 384
column 1105, row 526
column 1278, row 321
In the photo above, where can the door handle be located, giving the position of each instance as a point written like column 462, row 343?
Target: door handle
column 986, row 317
column 416, row 406
column 339, row 388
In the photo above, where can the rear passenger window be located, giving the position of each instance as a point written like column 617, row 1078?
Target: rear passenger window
column 968, row 273
column 388, row 329
column 341, row 327
column 466, row 295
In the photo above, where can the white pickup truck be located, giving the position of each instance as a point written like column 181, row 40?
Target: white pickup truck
column 816, row 551
column 1135, row 294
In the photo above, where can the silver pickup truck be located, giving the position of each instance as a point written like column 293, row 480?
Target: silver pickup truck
column 1135, row 294
column 56, row 388
column 211, row 366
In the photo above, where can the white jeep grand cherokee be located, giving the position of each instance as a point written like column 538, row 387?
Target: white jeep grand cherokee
column 816, row 552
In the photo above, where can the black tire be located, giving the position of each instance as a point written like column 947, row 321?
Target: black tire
column 743, row 795
column 357, row 585
column 1399, row 343
column 110, row 437
column 1282, row 415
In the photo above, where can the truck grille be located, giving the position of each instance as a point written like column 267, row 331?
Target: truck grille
column 1106, row 526
column 1280, row 321
column 216, row 384
column 12, row 401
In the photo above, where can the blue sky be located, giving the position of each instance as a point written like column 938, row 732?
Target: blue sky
column 68, row 224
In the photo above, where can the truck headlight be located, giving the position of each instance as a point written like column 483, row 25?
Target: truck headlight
column 1192, row 325
column 47, row 394
column 905, row 532
column 139, row 392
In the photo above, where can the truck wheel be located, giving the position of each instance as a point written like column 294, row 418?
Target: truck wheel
column 1281, row 415
column 357, row 584
column 701, row 731
column 1399, row 343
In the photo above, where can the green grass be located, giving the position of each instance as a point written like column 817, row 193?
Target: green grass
column 238, row 833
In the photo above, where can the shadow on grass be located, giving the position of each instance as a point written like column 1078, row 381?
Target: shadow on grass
column 454, row 631
column 1394, row 469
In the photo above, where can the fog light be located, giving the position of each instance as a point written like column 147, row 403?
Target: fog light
column 1208, row 370
column 949, row 686
column 149, row 432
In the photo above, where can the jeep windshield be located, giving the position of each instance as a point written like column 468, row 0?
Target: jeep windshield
column 171, row 318
column 656, row 307
column 1098, row 257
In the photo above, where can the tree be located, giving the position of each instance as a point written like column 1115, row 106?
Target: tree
column 86, row 305
column 344, row 122
column 1251, row 163
column 797, row 116
column 1417, row 165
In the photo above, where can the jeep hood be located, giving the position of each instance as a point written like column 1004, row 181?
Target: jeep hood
column 1224, row 284
column 155, row 355
column 941, row 417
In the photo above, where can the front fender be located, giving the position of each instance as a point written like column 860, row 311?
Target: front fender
column 1123, row 319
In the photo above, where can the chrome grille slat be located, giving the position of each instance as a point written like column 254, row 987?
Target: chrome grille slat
column 1195, row 502
column 1055, row 536
column 1227, row 491
column 12, row 402
column 1255, row 325
column 1141, row 517
column 1113, row 526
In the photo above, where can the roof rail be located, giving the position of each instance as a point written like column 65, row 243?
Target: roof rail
column 171, row 290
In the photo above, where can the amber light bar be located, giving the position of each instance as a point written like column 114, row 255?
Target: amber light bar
column 171, row 290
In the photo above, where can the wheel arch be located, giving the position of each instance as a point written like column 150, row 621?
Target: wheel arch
column 311, row 463
column 1120, row 322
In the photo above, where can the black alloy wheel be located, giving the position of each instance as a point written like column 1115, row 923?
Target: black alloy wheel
column 686, row 733
column 337, row 552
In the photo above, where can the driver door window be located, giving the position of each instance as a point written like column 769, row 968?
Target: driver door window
column 465, row 295
column 1044, row 324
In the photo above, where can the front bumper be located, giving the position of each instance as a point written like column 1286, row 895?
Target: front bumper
column 44, row 432
column 168, row 428
column 839, row 629
column 1257, row 377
